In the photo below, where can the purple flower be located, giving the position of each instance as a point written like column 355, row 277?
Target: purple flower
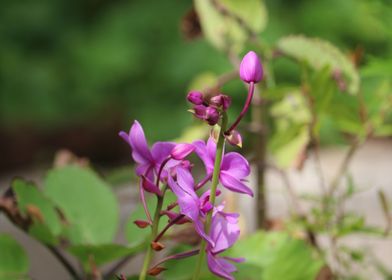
column 250, row 68
column 234, row 168
column 224, row 233
column 190, row 204
column 148, row 161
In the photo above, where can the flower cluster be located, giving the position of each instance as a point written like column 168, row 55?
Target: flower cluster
column 208, row 110
column 165, row 167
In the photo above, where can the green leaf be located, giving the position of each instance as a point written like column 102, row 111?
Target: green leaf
column 291, row 133
column 223, row 30
column 46, row 221
column 101, row 254
column 87, row 203
column 277, row 256
column 14, row 263
column 318, row 53
column 135, row 235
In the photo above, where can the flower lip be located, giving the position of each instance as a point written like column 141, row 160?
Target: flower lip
column 251, row 69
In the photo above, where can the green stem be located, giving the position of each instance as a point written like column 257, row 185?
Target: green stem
column 154, row 232
column 215, row 181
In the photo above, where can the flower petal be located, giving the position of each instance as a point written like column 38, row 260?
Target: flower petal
column 220, row 267
column 161, row 150
column 189, row 206
column 202, row 152
column 185, row 181
column 224, row 231
column 236, row 165
column 140, row 152
column 234, row 184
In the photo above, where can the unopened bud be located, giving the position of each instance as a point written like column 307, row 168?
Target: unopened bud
column 200, row 111
column 212, row 115
column 141, row 223
column 156, row 270
column 221, row 100
column 150, row 186
column 234, row 138
column 250, row 68
column 157, row 246
column 195, row 97
column 181, row 151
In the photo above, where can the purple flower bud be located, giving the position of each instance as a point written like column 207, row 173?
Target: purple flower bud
column 212, row 115
column 250, row 68
column 150, row 186
column 200, row 111
column 234, row 138
column 195, row 97
column 181, row 151
column 221, row 100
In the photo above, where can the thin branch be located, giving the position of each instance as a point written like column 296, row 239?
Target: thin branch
column 344, row 166
column 117, row 266
column 293, row 196
column 63, row 260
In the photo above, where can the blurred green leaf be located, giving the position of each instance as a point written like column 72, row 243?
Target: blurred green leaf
column 220, row 21
column 31, row 201
column 87, row 203
column 101, row 254
column 14, row 263
column 291, row 133
column 318, row 53
column 278, row 255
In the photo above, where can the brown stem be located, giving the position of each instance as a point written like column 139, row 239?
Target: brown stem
column 260, row 150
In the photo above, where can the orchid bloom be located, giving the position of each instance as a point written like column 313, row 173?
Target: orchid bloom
column 190, row 204
column 224, row 233
column 234, row 168
column 148, row 161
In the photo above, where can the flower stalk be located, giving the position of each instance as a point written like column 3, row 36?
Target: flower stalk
column 154, row 232
column 214, row 185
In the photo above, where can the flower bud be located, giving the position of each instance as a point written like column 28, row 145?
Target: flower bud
column 181, row 151
column 141, row 223
column 149, row 186
column 234, row 138
column 212, row 115
column 200, row 111
column 195, row 97
column 221, row 100
column 250, row 68
column 157, row 246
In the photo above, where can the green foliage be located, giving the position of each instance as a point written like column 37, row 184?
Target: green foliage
column 87, row 202
column 100, row 254
column 222, row 30
column 291, row 117
column 14, row 263
column 318, row 54
column 269, row 256
column 278, row 256
column 32, row 202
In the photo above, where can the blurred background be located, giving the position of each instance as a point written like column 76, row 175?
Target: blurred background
column 73, row 73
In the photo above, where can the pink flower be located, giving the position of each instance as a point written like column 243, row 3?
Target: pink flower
column 250, row 68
